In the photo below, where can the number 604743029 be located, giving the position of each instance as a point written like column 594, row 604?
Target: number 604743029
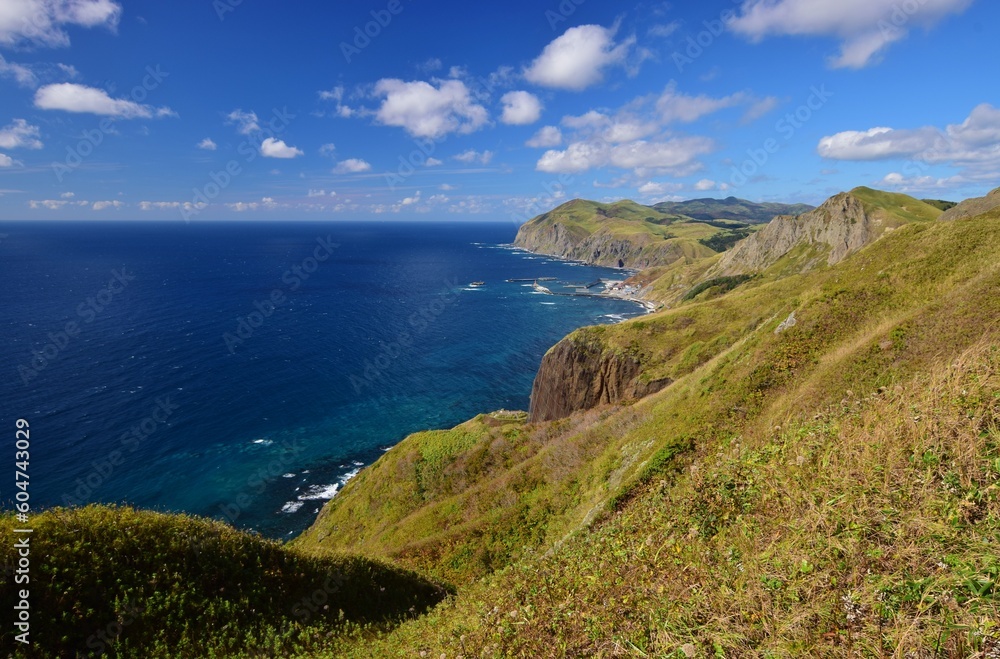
column 22, row 458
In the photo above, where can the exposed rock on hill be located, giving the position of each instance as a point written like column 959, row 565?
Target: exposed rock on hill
column 973, row 207
column 840, row 227
column 579, row 375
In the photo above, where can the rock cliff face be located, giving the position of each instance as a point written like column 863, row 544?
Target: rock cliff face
column 972, row 207
column 578, row 376
column 599, row 248
column 843, row 224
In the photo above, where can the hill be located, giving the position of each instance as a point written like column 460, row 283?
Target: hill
column 731, row 208
column 818, row 474
column 973, row 207
column 126, row 583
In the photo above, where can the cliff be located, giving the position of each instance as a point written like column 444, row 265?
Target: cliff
column 840, row 227
column 972, row 207
column 577, row 375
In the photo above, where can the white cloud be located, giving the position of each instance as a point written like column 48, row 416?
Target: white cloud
column 207, row 144
column 71, row 97
column 704, row 185
column 316, row 193
column 20, row 135
column 577, row 59
column 146, row 206
column 426, row 110
column 67, row 195
column 20, row 73
column 546, row 138
column 865, row 27
column 433, row 162
column 473, row 156
column 447, row 187
column 878, row 143
column 675, row 155
column 42, row 22
column 653, row 188
column 102, row 205
column 352, row 166
column 675, row 106
column 328, row 149
column 520, row 108
column 664, row 30
column 274, row 148
column 973, row 145
column 246, row 122
column 6, row 161
column 337, row 96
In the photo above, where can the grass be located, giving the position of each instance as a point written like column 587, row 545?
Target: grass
column 830, row 490
column 127, row 583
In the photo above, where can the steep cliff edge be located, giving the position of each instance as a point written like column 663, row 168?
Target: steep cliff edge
column 972, row 207
column 577, row 374
column 840, row 227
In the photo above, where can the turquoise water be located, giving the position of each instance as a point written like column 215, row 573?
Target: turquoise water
column 245, row 371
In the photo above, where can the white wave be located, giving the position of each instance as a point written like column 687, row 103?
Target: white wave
column 292, row 507
column 263, row 442
column 320, row 492
column 288, row 475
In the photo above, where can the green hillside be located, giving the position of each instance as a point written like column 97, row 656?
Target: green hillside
column 139, row 584
column 819, row 477
column 731, row 208
column 828, row 490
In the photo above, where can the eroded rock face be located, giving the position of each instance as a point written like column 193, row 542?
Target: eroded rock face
column 600, row 248
column 842, row 223
column 579, row 376
column 972, row 207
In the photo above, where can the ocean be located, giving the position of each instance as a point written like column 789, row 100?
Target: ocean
column 246, row 371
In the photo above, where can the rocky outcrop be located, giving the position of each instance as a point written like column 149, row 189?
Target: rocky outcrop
column 577, row 375
column 843, row 225
column 972, row 207
column 599, row 248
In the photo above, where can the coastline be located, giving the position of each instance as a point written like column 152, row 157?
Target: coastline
column 615, row 290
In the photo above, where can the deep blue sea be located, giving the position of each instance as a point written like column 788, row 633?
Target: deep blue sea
column 245, row 371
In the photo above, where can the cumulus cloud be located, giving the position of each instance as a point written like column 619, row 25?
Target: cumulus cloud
column 472, row 156
column 6, row 161
column 207, row 144
column 42, row 22
column 546, row 138
column 704, row 185
column 102, row 205
column 275, row 148
column 352, row 166
column 246, row 122
column 677, row 156
column 865, row 27
column 429, row 110
column 71, row 97
column 653, row 188
column 328, row 149
column 973, row 145
column 578, row 59
column 433, row 162
column 19, row 134
column 520, row 108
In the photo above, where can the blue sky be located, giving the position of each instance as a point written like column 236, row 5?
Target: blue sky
column 256, row 109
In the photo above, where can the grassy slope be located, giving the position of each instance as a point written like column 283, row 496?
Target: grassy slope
column 142, row 584
column 831, row 489
column 731, row 208
column 902, row 208
column 627, row 220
